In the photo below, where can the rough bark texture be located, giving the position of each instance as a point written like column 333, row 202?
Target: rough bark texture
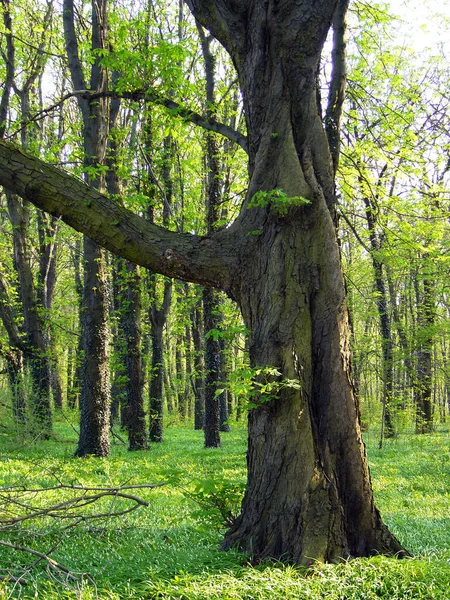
column 158, row 317
column 198, row 378
column 211, row 299
column 212, row 371
column 309, row 494
column 137, row 434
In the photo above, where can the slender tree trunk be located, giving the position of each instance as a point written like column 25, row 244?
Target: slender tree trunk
column 223, row 398
column 426, row 312
column 36, row 348
column 48, row 228
column 198, row 379
column 158, row 319
column 212, row 371
column 13, row 355
column 94, row 393
column 118, row 386
column 73, row 390
column 135, row 382
column 179, row 371
column 387, row 427
column 14, row 368
column 188, row 369
column 211, row 298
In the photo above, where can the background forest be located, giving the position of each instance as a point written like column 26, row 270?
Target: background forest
column 167, row 137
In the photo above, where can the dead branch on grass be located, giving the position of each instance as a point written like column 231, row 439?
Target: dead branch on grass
column 20, row 505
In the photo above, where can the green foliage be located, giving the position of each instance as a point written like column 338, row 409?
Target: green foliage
column 258, row 385
column 278, row 201
column 219, row 500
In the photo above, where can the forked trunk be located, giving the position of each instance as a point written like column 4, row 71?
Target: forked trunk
column 309, row 494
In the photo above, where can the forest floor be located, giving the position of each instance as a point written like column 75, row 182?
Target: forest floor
column 170, row 549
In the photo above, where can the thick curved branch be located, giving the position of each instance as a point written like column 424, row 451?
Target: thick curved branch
column 209, row 261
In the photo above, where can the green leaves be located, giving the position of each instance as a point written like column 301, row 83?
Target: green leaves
column 259, row 385
column 278, row 201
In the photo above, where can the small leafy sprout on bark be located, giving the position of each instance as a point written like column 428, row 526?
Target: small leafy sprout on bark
column 279, row 201
column 260, row 385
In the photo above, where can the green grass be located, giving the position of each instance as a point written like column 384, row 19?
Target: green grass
column 170, row 549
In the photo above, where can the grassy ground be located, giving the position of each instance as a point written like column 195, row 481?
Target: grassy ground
column 170, row 549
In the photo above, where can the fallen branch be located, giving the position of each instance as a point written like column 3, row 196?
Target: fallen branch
column 19, row 505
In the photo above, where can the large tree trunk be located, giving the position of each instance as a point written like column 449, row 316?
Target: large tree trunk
column 309, row 493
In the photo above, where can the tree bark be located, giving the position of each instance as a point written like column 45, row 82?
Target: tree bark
column 198, row 378
column 36, row 347
column 158, row 317
column 212, row 371
column 309, row 494
column 13, row 356
column 211, row 299
column 426, row 314
column 48, row 229
column 135, row 381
